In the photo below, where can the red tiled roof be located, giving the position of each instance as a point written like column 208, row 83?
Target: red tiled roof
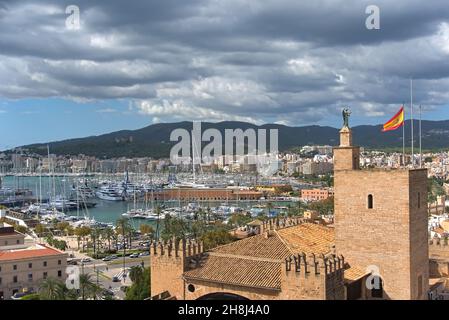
column 238, row 271
column 257, row 261
column 9, row 234
column 28, row 253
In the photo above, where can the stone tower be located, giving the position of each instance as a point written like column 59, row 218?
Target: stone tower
column 381, row 223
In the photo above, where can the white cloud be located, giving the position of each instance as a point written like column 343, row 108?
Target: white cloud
column 273, row 61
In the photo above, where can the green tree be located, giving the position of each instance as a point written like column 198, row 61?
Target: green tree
column 82, row 233
column 238, row 220
column 52, row 289
column 140, row 289
column 146, row 229
column 88, row 288
column 175, row 227
column 214, row 238
column 124, row 228
column 136, row 273
column 108, row 234
column 324, row 207
column 95, row 234
column 21, row 229
column 40, row 229
column 62, row 226
column 434, row 189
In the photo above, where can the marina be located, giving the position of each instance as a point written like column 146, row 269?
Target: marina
column 106, row 198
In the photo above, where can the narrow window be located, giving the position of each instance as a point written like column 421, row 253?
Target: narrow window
column 419, row 200
column 370, row 201
column 419, row 286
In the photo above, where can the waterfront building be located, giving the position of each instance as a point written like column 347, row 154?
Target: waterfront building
column 204, row 194
column 24, row 263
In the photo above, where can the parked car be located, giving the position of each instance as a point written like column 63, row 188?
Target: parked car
column 20, row 295
column 107, row 292
column 124, row 288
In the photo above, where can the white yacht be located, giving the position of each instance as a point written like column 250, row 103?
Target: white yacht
column 109, row 193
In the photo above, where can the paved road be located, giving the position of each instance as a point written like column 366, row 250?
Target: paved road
column 103, row 272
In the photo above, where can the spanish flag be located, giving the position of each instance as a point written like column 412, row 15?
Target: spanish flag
column 396, row 122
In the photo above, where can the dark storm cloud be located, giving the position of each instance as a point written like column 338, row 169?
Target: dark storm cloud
column 263, row 61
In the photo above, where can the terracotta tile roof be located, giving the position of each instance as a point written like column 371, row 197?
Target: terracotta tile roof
column 256, row 247
column 257, row 261
column 34, row 252
column 354, row 273
column 238, row 271
column 308, row 238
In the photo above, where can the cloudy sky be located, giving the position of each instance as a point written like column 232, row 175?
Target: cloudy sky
column 133, row 63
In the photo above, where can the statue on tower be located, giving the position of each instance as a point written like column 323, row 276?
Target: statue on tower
column 346, row 113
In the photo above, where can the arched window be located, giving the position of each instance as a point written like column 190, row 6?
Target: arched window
column 370, row 201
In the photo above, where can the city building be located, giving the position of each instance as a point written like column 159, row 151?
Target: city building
column 204, row 194
column 316, row 168
column 310, row 195
column 24, row 263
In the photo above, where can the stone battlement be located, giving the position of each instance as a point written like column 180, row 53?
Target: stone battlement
column 177, row 248
column 314, row 265
column 438, row 243
column 280, row 223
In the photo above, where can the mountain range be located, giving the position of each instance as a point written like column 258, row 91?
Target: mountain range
column 154, row 140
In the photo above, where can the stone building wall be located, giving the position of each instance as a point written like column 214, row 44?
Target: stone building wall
column 393, row 234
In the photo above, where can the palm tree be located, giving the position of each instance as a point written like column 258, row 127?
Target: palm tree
column 95, row 235
column 124, row 227
column 136, row 273
column 88, row 288
column 82, row 233
column 52, row 289
column 146, row 229
column 208, row 214
column 269, row 207
column 108, row 234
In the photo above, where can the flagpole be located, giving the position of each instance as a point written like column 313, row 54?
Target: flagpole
column 403, row 138
column 420, row 136
column 411, row 117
